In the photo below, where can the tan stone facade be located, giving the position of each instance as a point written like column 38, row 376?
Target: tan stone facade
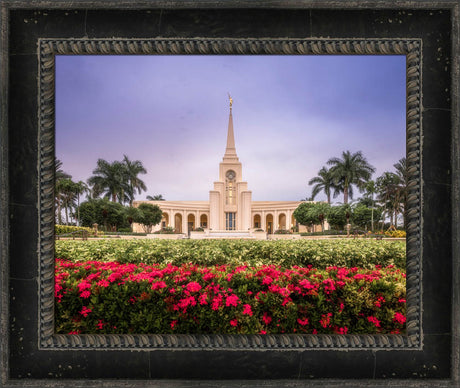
column 230, row 209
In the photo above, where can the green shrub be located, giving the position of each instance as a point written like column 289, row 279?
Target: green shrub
column 64, row 229
column 364, row 253
column 283, row 231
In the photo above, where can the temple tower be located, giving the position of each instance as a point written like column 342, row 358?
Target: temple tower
column 230, row 201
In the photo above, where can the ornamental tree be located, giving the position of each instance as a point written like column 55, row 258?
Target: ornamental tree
column 148, row 216
column 362, row 215
column 312, row 213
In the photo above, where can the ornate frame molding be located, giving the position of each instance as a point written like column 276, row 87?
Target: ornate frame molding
column 49, row 48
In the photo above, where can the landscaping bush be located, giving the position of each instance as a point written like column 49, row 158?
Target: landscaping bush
column 125, row 233
column 283, row 231
column 64, row 229
column 330, row 232
column 364, row 253
column 396, row 233
column 95, row 297
column 166, row 230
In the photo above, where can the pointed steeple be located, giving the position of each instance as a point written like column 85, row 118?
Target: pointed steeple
column 230, row 151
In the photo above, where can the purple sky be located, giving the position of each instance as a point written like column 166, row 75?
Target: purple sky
column 290, row 113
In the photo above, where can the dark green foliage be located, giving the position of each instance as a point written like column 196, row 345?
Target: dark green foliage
column 108, row 215
column 148, row 216
column 362, row 216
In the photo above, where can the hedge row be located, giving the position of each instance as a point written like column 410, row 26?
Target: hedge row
column 287, row 253
column 96, row 297
column 63, row 229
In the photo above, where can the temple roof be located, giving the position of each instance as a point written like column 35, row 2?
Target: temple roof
column 230, row 151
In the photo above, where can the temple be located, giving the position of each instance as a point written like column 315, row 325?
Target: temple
column 230, row 211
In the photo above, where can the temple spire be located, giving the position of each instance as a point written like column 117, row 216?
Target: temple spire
column 230, row 151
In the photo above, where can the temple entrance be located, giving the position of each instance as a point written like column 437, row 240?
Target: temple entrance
column 282, row 221
column 191, row 222
column 269, row 224
column 230, row 221
column 257, row 222
column 204, row 221
column 165, row 220
column 178, row 223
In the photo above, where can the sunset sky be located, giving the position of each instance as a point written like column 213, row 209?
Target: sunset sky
column 290, row 113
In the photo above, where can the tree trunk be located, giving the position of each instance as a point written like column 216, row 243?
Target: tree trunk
column 114, row 197
column 66, row 216
column 78, row 210
column 345, row 194
column 59, row 212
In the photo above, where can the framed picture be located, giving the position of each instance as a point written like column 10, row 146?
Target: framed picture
column 59, row 61
column 249, row 259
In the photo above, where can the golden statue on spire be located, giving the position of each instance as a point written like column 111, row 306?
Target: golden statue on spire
column 230, row 99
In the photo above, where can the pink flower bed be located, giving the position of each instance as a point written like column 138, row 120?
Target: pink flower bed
column 108, row 297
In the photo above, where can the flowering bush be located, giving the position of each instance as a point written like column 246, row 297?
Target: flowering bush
column 110, row 297
column 287, row 253
column 396, row 233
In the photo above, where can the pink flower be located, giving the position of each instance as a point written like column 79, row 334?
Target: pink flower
column 400, row 318
column 158, row 285
column 84, row 285
column 183, row 303
column 262, row 332
column 341, row 330
column 232, row 300
column 208, row 276
column 100, row 325
column 216, row 302
column 114, row 276
column 374, row 320
column 325, row 319
column 85, row 294
column 203, row 298
column 266, row 318
column 267, row 280
column 247, row 310
column 234, row 322
column 328, row 286
column 302, row 322
column 85, row 311
column 173, row 324
column 306, row 284
column 103, row 283
column 193, row 287
column 74, row 332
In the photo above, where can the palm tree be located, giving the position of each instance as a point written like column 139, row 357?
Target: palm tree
column 158, row 197
column 110, row 179
column 59, row 176
column 59, row 172
column 352, row 169
column 323, row 182
column 401, row 172
column 80, row 187
column 67, row 195
column 387, row 187
column 132, row 170
column 371, row 189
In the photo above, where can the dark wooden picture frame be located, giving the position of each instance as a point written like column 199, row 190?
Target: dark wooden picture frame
column 33, row 33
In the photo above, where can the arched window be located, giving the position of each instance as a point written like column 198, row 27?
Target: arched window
column 230, row 187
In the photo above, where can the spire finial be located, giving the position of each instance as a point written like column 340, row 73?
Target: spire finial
column 230, row 100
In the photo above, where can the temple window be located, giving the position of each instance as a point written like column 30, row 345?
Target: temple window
column 230, row 192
